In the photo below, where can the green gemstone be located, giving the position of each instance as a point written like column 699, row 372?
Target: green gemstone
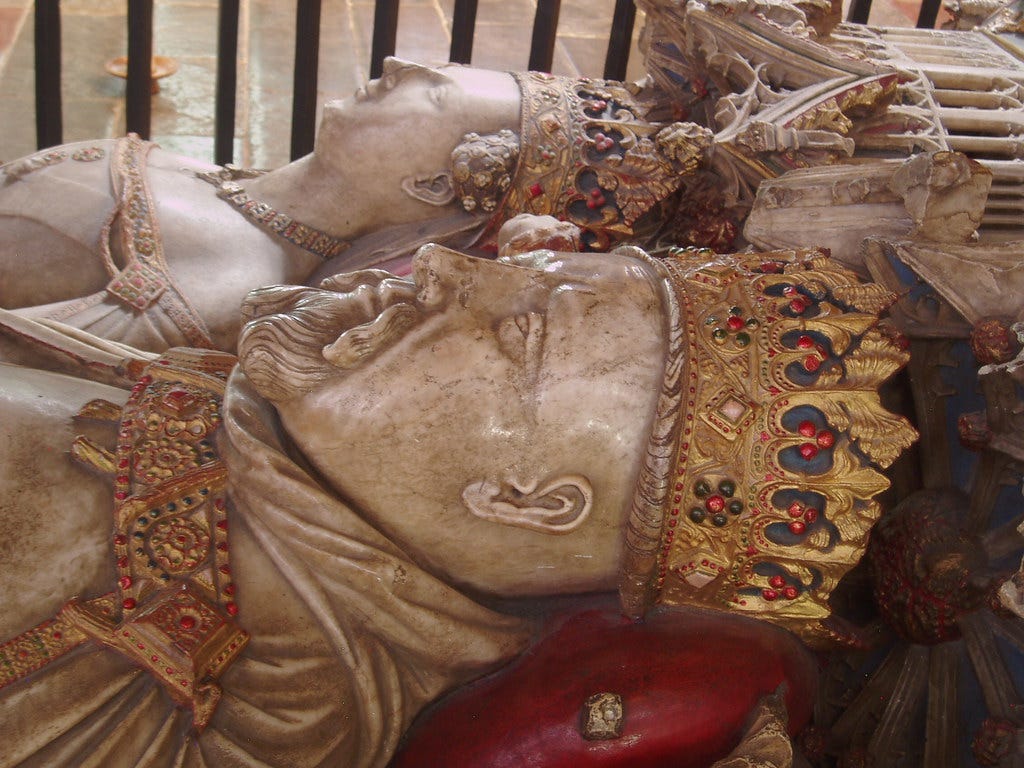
column 727, row 488
column 701, row 489
column 752, row 322
column 735, row 311
column 720, row 335
column 711, row 320
column 735, row 506
column 156, row 512
column 719, row 520
column 697, row 515
column 742, row 338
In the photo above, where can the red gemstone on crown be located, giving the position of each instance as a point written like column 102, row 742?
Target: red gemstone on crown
column 715, row 503
column 808, row 451
column 807, row 428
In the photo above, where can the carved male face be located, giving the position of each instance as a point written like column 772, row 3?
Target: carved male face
column 490, row 417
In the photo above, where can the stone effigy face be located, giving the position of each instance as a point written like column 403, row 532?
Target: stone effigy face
column 314, row 537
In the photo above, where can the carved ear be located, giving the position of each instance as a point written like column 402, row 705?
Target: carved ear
column 559, row 506
column 433, row 188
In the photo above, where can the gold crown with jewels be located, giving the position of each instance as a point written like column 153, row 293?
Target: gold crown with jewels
column 586, row 153
column 757, row 491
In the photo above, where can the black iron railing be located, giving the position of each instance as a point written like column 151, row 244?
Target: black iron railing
column 307, row 52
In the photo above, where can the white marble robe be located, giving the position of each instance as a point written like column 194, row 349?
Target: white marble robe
column 350, row 639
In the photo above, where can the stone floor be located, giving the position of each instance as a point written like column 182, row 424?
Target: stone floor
column 93, row 32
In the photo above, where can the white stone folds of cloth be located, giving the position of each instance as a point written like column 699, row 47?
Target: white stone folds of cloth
column 350, row 640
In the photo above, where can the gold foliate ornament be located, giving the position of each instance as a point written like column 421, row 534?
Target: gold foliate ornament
column 756, row 495
column 174, row 611
column 588, row 155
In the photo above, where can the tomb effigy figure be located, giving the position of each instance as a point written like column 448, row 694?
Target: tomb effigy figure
column 304, row 553
column 738, row 94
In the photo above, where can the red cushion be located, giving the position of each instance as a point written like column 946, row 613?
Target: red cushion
column 688, row 680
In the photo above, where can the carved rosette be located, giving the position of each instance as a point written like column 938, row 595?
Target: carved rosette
column 589, row 156
column 779, row 435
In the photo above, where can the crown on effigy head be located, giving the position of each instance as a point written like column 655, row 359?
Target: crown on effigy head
column 756, row 493
column 585, row 153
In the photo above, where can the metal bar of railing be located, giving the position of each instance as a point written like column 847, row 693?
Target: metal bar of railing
column 49, row 117
column 859, row 11
column 227, row 82
column 545, row 29
column 463, row 29
column 139, row 90
column 928, row 14
column 385, row 34
column 619, row 40
column 307, row 62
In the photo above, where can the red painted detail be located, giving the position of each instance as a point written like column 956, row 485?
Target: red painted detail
column 528, row 713
column 715, row 503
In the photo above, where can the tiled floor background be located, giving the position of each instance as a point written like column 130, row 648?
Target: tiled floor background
column 93, row 32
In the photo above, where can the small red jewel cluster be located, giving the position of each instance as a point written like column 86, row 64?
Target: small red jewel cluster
column 596, row 199
column 802, row 517
column 824, row 439
column 603, row 142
